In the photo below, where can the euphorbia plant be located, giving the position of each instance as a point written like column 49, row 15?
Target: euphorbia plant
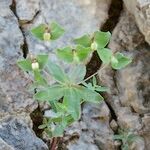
column 70, row 89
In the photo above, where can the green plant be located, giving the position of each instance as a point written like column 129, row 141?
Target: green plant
column 70, row 89
column 127, row 138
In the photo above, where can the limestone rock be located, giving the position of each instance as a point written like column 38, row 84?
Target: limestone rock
column 17, row 134
column 133, row 81
column 13, row 92
column 93, row 130
column 113, row 125
column 5, row 146
column 141, row 11
column 128, row 120
column 129, row 90
column 26, row 9
column 126, row 35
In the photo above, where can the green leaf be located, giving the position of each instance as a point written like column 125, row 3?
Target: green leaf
column 77, row 73
column 65, row 54
column 38, row 78
column 60, row 107
column 42, row 60
column 54, row 92
column 56, row 120
column 101, row 89
column 72, row 102
column 83, row 52
column 121, row 62
column 42, row 126
column 118, row 137
column 69, row 55
column 102, row 38
column 85, row 84
column 94, row 81
column 89, row 95
column 56, row 72
column 125, row 147
column 133, row 137
column 36, row 85
column 105, row 55
column 48, row 132
column 89, row 86
column 56, row 31
column 25, row 64
column 85, row 40
column 69, row 119
column 58, row 131
column 38, row 31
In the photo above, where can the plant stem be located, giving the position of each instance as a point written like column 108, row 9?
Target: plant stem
column 94, row 74
column 54, row 143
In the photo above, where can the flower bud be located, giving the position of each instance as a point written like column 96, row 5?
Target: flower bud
column 46, row 36
column 35, row 65
column 75, row 57
column 94, row 46
column 114, row 60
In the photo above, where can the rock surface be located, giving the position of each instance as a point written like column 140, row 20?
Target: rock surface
column 141, row 11
column 93, row 130
column 26, row 10
column 5, row 146
column 129, row 87
column 17, row 134
column 128, row 98
column 15, row 99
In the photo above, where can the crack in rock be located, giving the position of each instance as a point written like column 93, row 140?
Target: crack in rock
column 24, row 46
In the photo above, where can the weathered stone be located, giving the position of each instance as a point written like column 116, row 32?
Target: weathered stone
column 26, row 9
column 145, row 132
column 93, row 130
column 141, row 11
column 128, row 120
column 138, row 144
column 5, row 146
column 129, row 87
column 15, row 98
column 126, row 35
column 17, row 134
column 136, row 94
column 113, row 125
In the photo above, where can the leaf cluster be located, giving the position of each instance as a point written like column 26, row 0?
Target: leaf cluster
column 70, row 90
column 127, row 138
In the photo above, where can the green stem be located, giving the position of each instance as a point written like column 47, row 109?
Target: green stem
column 93, row 74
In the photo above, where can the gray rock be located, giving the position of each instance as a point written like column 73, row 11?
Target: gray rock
column 128, row 120
column 129, row 87
column 26, row 9
column 126, row 35
column 139, row 144
column 15, row 98
column 145, row 132
column 136, row 94
column 114, row 125
column 141, row 11
column 5, row 146
column 17, row 134
column 93, row 130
